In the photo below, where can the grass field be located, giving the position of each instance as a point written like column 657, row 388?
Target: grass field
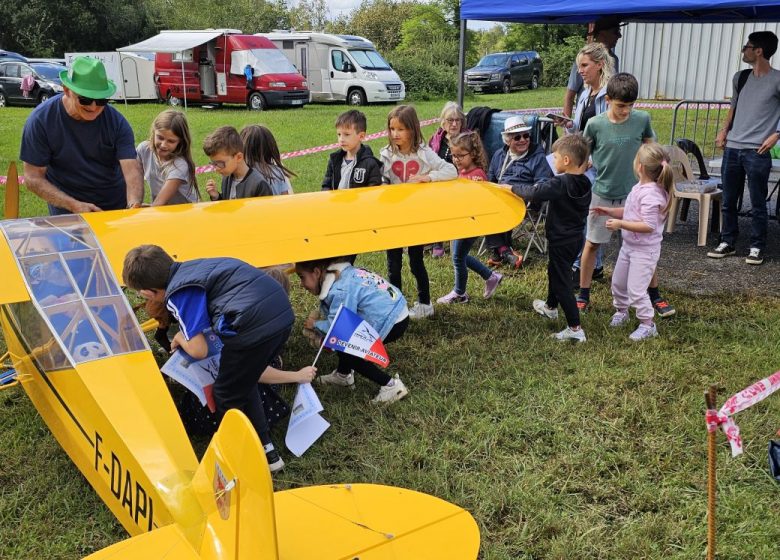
column 559, row 451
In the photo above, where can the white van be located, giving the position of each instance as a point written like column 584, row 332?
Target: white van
column 340, row 67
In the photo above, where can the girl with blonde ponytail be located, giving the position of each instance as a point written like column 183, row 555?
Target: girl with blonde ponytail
column 641, row 221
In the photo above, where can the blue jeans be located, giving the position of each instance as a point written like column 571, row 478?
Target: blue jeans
column 739, row 165
column 462, row 261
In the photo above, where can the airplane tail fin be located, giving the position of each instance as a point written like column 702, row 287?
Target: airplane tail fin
column 233, row 485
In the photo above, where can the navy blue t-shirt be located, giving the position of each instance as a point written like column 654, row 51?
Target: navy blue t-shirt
column 81, row 158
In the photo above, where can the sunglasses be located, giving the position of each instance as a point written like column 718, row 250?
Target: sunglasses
column 218, row 164
column 522, row 136
column 86, row 101
column 746, row 47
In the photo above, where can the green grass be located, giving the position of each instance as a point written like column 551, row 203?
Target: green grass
column 559, row 451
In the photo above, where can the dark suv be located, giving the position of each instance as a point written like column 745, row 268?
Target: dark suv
column 47, row 82
column 506, row 71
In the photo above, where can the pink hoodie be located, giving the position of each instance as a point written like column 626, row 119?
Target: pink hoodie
column 646, row 203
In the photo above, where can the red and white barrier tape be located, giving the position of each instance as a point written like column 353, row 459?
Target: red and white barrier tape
column 317, row 149
column 757, row 392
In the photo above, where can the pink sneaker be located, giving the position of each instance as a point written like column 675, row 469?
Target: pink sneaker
column 453, row 297
column 438, row 251
column 491, row 284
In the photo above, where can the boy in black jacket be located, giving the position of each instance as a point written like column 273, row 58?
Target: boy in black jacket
column 569, row 196
column 353, row 165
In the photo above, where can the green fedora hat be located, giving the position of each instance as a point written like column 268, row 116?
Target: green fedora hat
column 87, row 76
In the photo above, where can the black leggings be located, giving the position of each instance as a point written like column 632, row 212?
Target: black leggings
column 369, row 370
column 560, row 288
column 236, row 383
column 417, row 266
column 495, row 241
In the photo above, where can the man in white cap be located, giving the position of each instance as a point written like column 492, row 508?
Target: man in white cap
column 519, row 162
column 78, row 152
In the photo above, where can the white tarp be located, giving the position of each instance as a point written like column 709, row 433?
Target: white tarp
column 174, row 41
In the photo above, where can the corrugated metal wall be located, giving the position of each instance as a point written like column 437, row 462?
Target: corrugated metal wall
column 686, row 60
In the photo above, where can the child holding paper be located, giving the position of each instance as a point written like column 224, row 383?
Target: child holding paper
column 382, row 305
column 246, row 308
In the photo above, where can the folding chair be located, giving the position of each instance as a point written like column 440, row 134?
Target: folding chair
column 531, row 231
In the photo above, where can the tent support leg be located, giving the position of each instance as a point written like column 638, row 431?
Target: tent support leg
column 461, row 61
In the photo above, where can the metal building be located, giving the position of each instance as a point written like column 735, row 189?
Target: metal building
column 686, row 60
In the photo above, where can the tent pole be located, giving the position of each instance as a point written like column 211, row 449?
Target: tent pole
column 461, row 61
column 184, row 82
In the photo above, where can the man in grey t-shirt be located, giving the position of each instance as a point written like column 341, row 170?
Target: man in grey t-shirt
column 606, row 30
column 749, row 132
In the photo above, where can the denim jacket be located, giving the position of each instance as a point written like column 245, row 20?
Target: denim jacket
column 582, row 100
column 369, row 295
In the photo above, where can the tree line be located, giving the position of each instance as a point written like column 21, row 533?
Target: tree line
column 419, row 39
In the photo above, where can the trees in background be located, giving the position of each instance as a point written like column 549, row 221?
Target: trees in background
column 419, row 39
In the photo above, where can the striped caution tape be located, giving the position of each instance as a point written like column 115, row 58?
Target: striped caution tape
column 317, row 149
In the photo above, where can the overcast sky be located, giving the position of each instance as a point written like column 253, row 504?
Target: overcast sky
column 338, row 7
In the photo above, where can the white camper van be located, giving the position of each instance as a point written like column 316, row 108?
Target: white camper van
column 136, row 72
column 340, row 67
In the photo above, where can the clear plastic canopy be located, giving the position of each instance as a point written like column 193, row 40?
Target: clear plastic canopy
column 79, row 302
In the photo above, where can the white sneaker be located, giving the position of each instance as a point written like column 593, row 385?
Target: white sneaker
column 336, row 378
column 540, row 306
column 619, row 319
column 391, row 393
column 420, row 310
column 643, row 332
column 569, row 334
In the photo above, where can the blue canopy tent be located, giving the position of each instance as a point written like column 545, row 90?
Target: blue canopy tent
column 583, row 11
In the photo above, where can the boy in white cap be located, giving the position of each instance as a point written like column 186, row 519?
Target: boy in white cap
column 78, row 152
column 519, row 162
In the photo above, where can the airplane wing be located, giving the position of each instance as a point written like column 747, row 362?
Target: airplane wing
column 280, row 229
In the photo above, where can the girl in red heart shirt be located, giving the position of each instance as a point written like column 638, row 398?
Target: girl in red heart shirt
column 407, row 159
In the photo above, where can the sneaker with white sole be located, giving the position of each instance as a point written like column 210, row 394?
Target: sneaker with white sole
column 491, row 284
column 540, row 306
column 336, row 378
column 453, row 297
column 275, row 462
column 420, row 310
column 722, row 250
column 570, row 334
column 756, row 256
column 391, row 393
column 619, row 319
column 643, row 332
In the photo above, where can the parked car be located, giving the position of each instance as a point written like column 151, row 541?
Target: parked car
column 60, row 61
column 47, row 82
column 505, row 72
column 10, row 55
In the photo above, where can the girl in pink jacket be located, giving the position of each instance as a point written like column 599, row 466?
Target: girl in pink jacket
column 642, row 223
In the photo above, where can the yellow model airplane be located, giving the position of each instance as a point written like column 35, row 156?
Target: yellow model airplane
column 85, row 363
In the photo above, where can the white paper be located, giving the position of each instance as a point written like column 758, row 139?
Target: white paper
column 197, row 375
column 306, row 424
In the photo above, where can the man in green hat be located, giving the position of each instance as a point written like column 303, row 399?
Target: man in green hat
column 79, row 152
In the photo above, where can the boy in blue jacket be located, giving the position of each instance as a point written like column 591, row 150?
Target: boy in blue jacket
column 245, row 307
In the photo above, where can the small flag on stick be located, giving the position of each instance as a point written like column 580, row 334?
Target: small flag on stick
column 351, row 334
